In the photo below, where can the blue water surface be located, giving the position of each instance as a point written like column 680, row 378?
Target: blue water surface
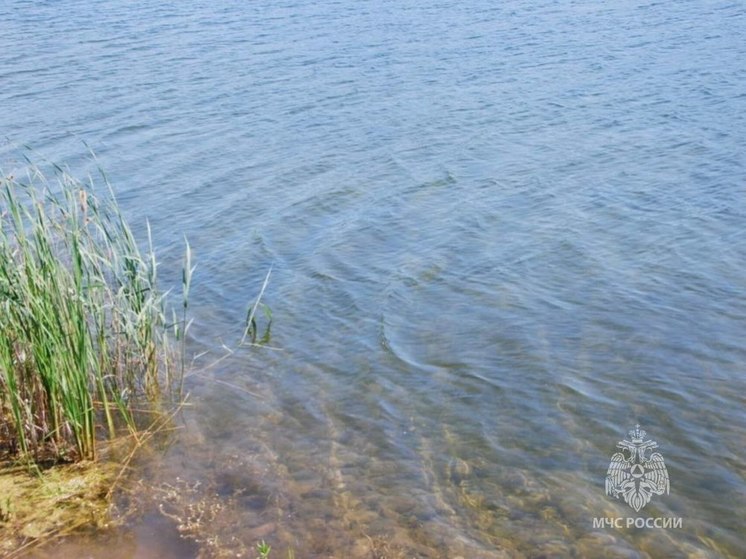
column 501, row 235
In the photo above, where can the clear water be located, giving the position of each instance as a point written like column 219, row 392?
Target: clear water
column 502, row 234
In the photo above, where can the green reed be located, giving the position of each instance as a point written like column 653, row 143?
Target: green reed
column 83, row 335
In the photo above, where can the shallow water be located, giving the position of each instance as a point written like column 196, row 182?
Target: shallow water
column 501, row 236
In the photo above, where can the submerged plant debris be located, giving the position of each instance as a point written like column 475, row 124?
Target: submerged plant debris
column 40, row 505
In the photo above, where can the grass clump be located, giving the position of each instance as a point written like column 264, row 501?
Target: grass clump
column 84, row 339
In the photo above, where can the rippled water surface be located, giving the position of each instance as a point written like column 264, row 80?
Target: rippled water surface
column 502, row 234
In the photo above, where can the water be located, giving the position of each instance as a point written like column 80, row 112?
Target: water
column 502, row 234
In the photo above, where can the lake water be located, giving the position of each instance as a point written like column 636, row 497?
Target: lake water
column 502, row 234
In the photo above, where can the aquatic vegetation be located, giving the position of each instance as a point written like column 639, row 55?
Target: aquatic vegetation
column 92, row 355
column 84, row 335
column 263, row 549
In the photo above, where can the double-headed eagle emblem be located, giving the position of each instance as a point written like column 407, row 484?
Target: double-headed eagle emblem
column 635, row 476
